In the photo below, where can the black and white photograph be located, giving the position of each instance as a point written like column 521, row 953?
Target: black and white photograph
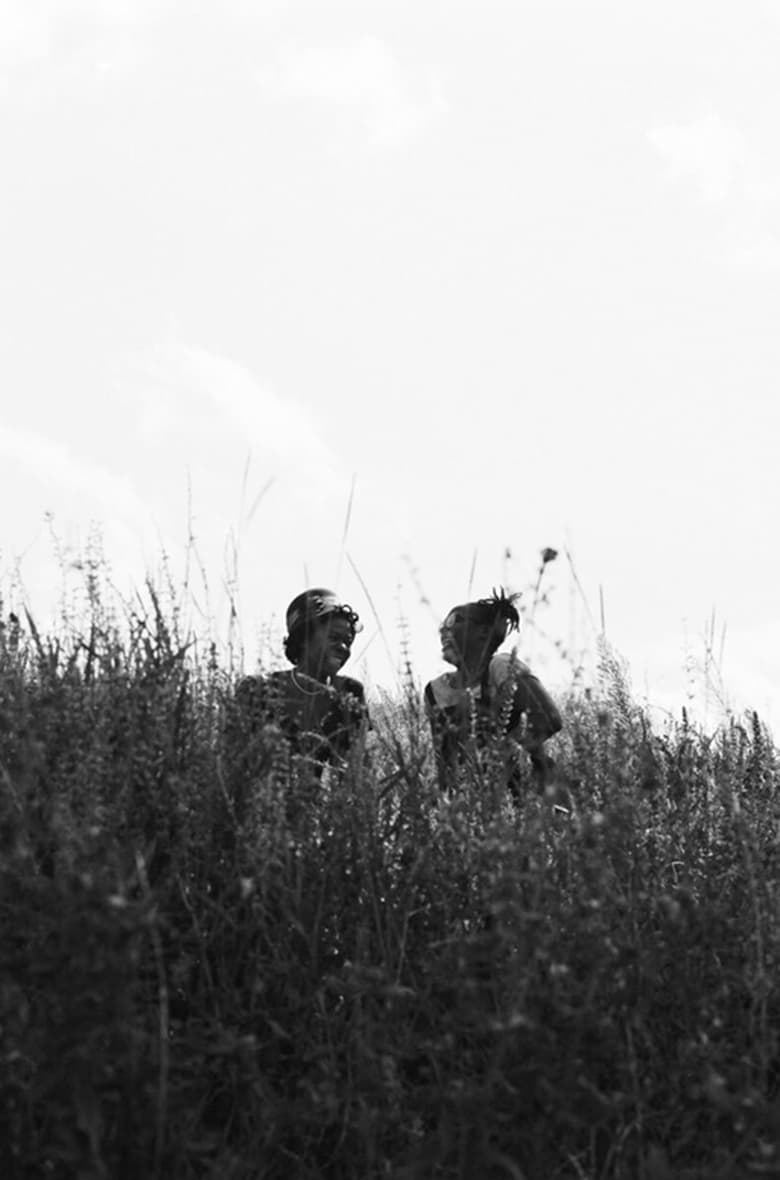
column 389, row 590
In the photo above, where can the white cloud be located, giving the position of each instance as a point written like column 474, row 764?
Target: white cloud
column 729, row 170
column 45, row 472
column 706, row 150
column 27, row 33
column 81, row 41
column 261, row 416
column 55, row 465
column 763, row 254
column 365, row 77
column 187, row 394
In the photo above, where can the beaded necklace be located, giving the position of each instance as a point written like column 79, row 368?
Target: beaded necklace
column 308, row 692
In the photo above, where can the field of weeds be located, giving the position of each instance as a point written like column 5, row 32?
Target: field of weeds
column 212, row 967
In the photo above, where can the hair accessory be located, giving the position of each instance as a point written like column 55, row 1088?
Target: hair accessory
column 318, row 604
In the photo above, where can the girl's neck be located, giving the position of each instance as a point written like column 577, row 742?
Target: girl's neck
column 469, row 675
column 314, row 673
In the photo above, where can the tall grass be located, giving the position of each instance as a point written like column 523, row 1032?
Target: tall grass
column 212, row 966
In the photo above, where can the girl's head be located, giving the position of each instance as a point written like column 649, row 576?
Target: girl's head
column 320, row 632
column 472, row 632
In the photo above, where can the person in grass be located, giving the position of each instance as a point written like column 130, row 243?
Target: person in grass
column 489, row 696
column 321, row 713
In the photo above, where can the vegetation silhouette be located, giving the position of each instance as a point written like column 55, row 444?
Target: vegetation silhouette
column 199, row 980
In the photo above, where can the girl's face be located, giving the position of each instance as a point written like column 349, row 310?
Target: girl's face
column 328, row 645
column 464, row 641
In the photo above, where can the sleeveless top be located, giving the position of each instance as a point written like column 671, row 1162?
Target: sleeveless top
column 508, row 702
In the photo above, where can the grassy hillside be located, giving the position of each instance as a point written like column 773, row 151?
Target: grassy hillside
column 211, row 967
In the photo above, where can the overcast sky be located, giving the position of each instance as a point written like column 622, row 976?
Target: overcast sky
column 510, row 270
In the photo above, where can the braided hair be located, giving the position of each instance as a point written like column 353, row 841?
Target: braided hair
column 309, row 608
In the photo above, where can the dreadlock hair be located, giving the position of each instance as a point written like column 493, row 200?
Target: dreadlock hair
column 497, row 612
column 502, row 608
column 499, row 609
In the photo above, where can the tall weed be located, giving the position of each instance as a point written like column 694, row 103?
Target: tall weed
column 214, row 965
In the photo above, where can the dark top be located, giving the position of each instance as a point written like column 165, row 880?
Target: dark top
column 509, row 702
column 319, row 720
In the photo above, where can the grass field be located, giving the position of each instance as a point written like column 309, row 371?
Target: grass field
column 211, row 967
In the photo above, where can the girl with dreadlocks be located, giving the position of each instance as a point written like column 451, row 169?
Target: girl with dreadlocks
column 489, row 695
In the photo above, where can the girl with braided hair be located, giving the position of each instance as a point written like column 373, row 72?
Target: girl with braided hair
column 322, row 714
column 489, row 696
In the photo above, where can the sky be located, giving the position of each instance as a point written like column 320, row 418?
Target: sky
column 388, row 297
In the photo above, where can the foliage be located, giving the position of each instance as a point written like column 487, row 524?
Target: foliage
column 213, row 966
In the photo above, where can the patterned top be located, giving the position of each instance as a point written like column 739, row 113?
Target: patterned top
column 322, row 721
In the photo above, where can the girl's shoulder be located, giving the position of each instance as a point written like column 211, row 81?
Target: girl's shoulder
column 347, row 684
column 441, row 692
column 507, row 668
column 258, row 690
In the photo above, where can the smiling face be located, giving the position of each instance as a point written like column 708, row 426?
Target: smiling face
column 328, row 646
column 465, row 642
